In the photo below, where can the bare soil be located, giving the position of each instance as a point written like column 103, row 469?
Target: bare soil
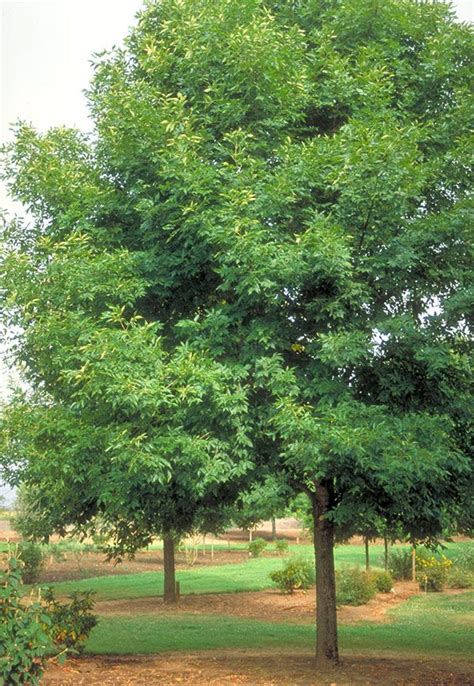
column 268, row 605
column 255, row 668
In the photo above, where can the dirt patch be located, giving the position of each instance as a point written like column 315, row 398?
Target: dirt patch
column 256, row 668
column 266, row 605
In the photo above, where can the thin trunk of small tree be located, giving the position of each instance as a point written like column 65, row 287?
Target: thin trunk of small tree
column 169, row 591
column 385, row 553
column 274, row 529
column 327, row 654
column 367, row 557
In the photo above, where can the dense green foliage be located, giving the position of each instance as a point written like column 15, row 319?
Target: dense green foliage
column 70, row 622
column 32, row 557
column 354, row 586
column 260, row 262
column 383, row 581
column 295, row 573
column 33, row 629
column 282, row 546
column 292, row 214
column 257, row 546
column 24, row 636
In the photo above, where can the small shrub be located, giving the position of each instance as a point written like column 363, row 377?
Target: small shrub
column 383, row 581
column 257, row 546
column 295, row 573
column 459, row 578
column 353, row 586
column 465, row 559
column 432, row 571
column 25, row 639
column 33, row 558
column 71, row 623
column 400, row 564
column 281, row 547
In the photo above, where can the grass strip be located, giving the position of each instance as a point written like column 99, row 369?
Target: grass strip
column 424, row 625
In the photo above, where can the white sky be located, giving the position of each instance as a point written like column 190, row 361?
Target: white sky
column 45, row 51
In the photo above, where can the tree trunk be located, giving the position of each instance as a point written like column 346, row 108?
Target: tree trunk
column 385, row 553
column 169, row 594
column 367, row 558
column 274, row 529
column 327, row 654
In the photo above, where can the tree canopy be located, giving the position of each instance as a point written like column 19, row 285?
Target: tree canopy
column 273, row 214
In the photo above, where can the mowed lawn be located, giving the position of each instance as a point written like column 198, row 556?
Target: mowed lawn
column 427, row 625
column 252, row 575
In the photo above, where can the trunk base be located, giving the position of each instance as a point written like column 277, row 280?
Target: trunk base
column 327, row 653
column 169, row 591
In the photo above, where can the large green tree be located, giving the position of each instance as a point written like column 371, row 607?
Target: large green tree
column 115, row 434
column 290, row 181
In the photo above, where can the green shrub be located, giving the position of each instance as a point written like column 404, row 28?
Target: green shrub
column 295, row 573
column 459, row 578
column 24, row 632
column 400, row 564
column 383, row 581
column 353, row 586
column 465, row 559
column 71, row 623
column 33, row 558
column 257, row 546
column 281, row 547
column 432, row 570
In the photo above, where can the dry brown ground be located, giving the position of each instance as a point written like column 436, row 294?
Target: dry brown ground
column 268, row 605
column 258, row 668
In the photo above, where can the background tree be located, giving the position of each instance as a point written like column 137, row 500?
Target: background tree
column 116, row 432
column 266, row 500
column 289, row 180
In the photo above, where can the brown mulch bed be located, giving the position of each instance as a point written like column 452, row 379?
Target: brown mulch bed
column 269, row 605
column 256, row 668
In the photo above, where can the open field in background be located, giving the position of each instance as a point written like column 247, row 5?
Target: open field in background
column 249, row 575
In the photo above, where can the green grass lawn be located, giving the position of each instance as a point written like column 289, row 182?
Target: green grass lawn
column 428, row 625
column 251, row 575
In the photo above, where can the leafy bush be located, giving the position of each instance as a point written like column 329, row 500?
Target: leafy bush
column 295, row 573
column 31, row 631
column 465, row 559
column 383, row 581
column 353, row 586
column 281, row 547
column 400, row 564
column 257, row 546
column 459, row 578
column 33, row 558
column 71, row 623
column 432, row 571
column 24, row 632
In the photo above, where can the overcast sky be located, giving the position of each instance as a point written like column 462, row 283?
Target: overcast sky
column 45, row 51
